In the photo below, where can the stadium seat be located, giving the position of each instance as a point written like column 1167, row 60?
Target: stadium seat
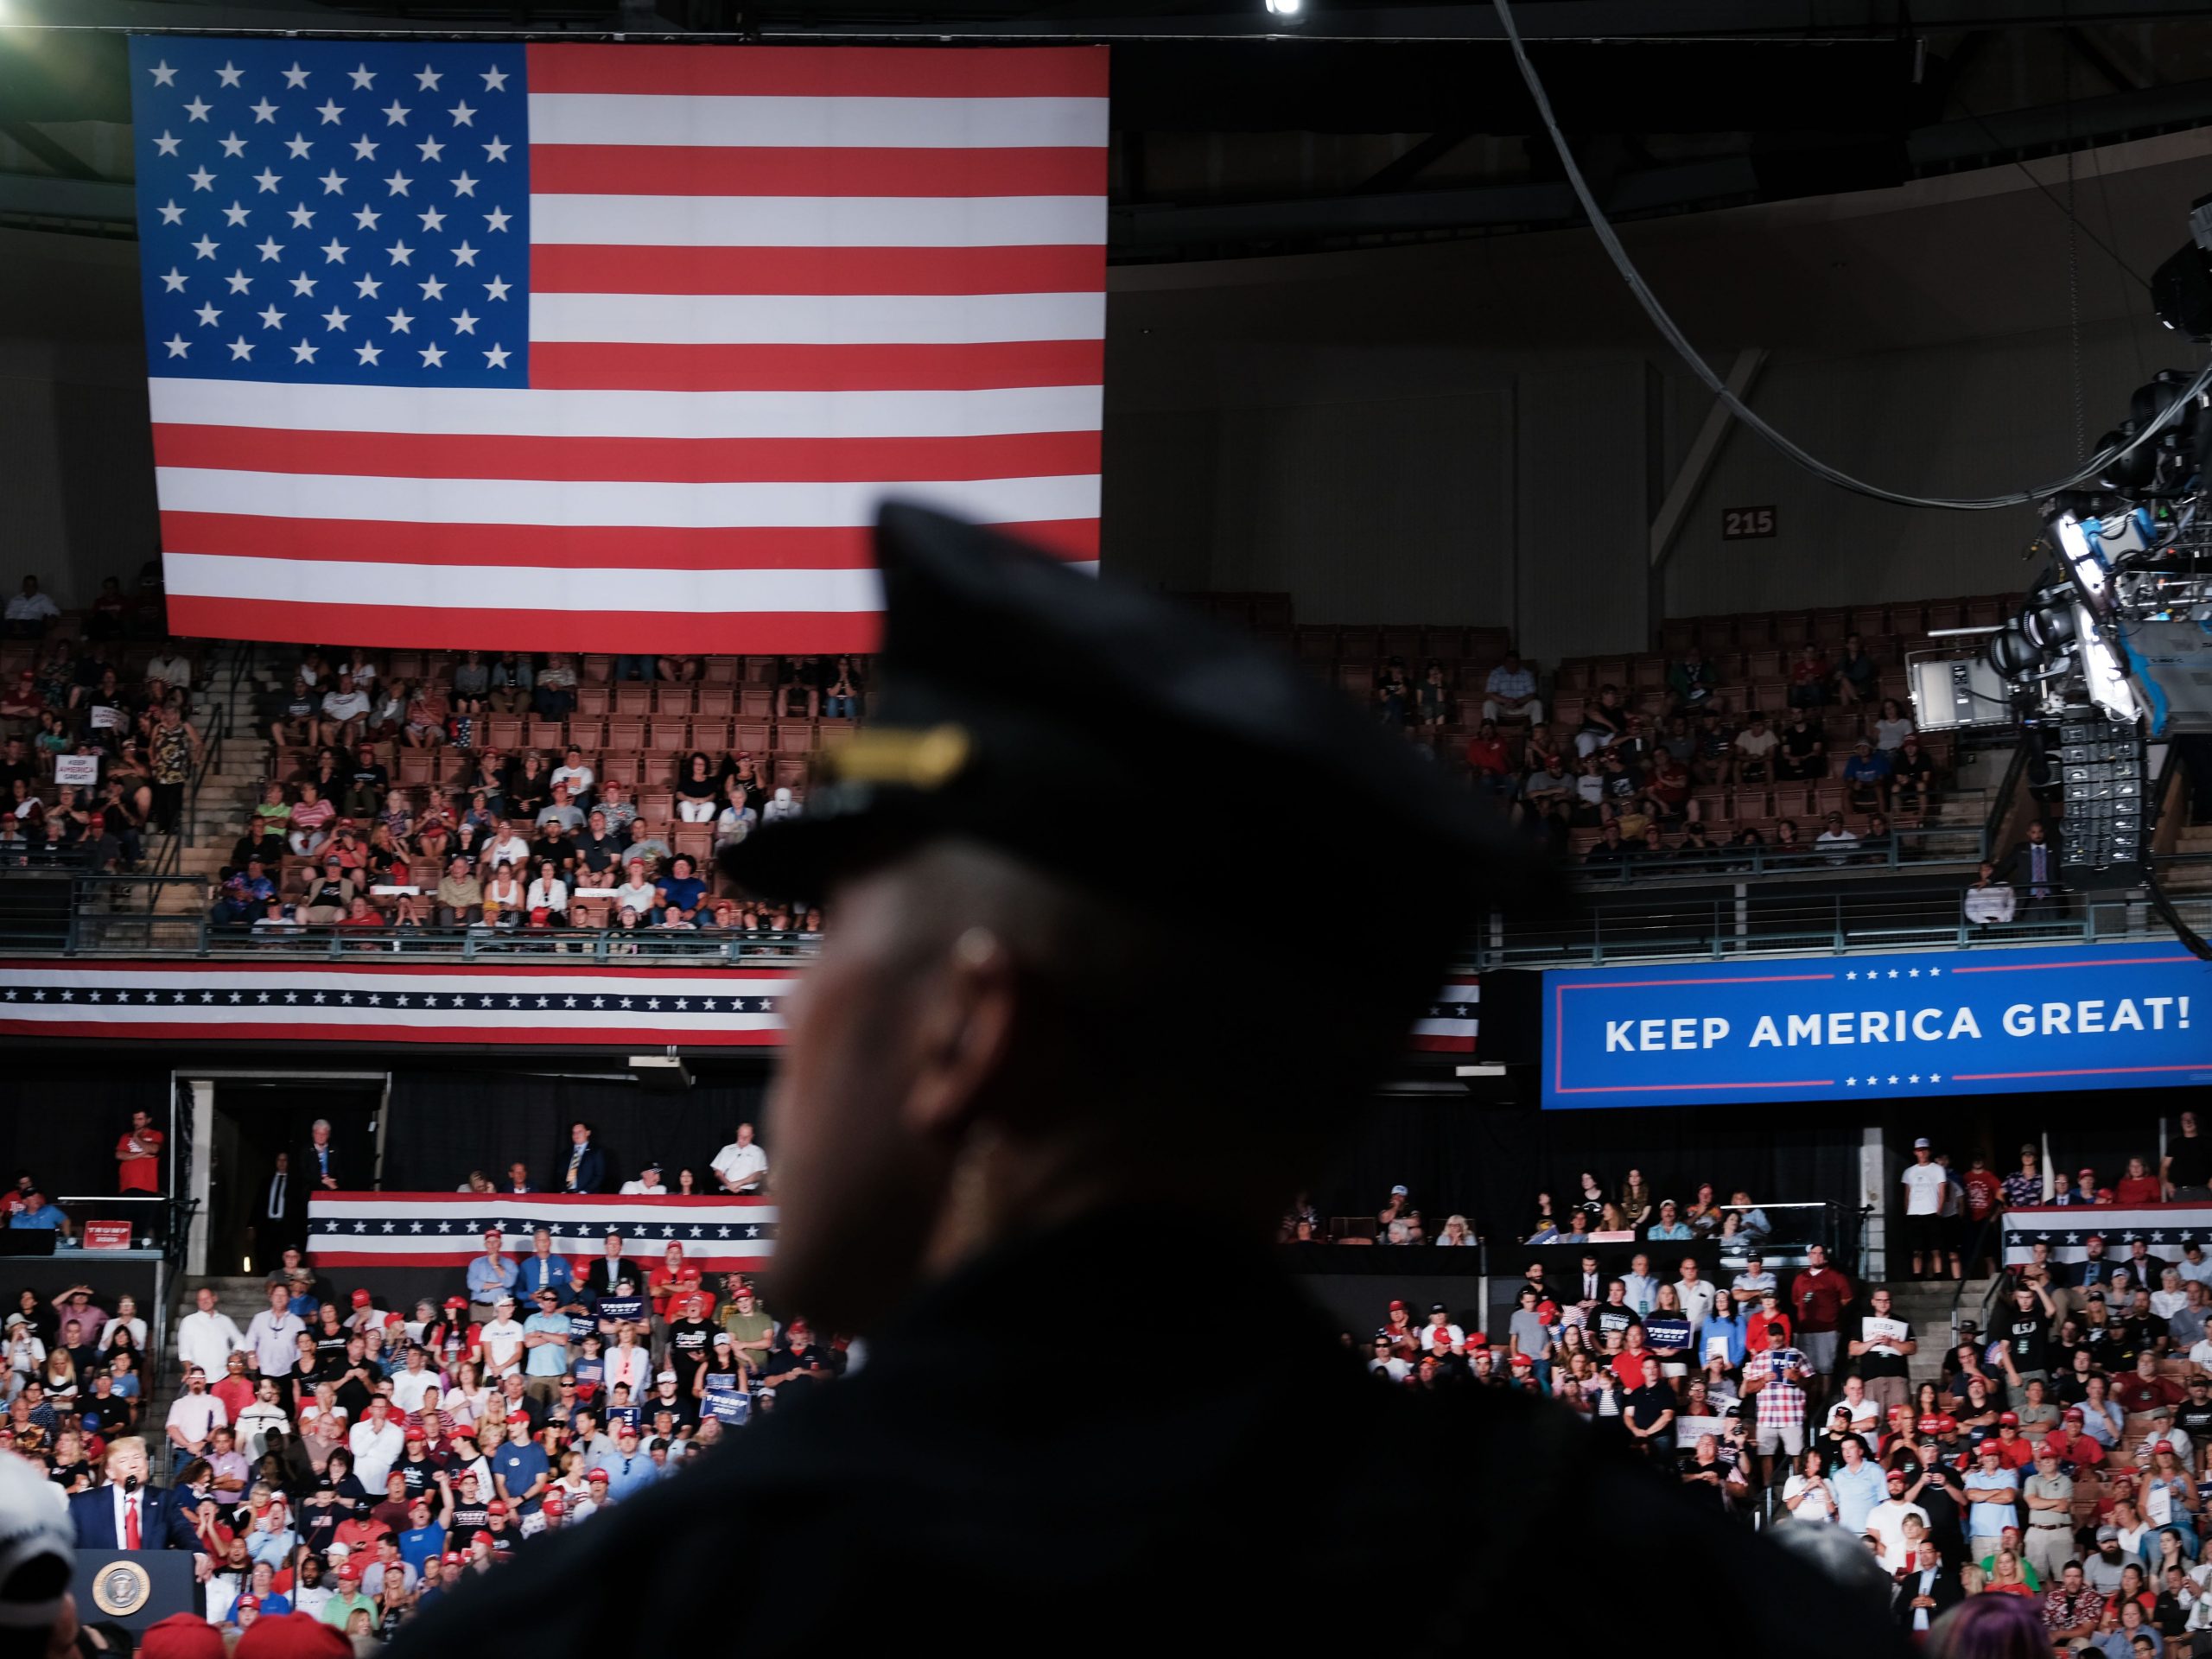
column 756, row 701
column 588, row 735
column 724, row 672
column 633, row 700
column 794, row 737
column 622, row 769
column 543, row 734
column 593, row 700
column 656, row 805
column 598, row 669
column 693, row 840
column 717, row 703
column 503, row 731
column 670, row 736
column 751, row 737
column 626, row 736
column 672, row 700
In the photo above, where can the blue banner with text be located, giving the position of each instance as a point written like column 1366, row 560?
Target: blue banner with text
column 1928, row 1023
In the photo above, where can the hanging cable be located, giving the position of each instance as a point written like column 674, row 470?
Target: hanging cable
column 2087, row 473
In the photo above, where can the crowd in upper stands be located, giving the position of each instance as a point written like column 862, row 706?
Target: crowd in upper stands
column 1666, row 771
column 112, row 704
column 506, row 791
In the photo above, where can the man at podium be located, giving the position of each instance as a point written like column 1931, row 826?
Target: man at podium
column 128, row 1513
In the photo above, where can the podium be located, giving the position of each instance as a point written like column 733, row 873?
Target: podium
column 133, row 1587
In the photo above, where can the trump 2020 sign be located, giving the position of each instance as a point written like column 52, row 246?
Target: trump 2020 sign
column 1932, row 1023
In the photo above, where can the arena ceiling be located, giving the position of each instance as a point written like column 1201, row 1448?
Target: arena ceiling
column 1366, row 125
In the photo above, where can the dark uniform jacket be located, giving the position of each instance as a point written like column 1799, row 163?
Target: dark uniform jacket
column 1042, row 1448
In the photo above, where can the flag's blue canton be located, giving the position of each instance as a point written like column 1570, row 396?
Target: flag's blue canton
column 327, row 211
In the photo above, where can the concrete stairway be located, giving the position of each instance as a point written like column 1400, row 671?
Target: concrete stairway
column 241, row 1297
column 227, row 794
column 1926, row 1305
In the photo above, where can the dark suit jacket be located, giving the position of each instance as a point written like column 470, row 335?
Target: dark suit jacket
column 600, row 1280
column 2015, row 868
column 1945, row 1591
column 162, row 1523
column 304, row 1166
column 591, row 1174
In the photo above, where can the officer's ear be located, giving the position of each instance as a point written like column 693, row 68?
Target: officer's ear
column 964, row 1035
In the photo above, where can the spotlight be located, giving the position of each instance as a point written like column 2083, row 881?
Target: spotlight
column 1285, row 8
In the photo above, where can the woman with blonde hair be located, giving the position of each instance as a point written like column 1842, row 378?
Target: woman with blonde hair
column 1455, row 1232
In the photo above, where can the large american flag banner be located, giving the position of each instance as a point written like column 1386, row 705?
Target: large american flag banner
column 608, row 347
column 2067, row 1229
column 446, row 1229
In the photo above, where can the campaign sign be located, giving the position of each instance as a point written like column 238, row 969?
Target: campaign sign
column 622, row 1307
column 1661, row 1330
column 728, row 1404
column 1950, row 1022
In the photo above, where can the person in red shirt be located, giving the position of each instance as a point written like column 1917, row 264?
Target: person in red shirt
column 1627, row 1364
column 138, row 1156
column 1487, row 756
column 2071, row 1445
column 236, row 1390
column 1818, row 1296
column 2143, row 1389
column 2139, row 1186
column 1985, row 1197
column 2014, row 1449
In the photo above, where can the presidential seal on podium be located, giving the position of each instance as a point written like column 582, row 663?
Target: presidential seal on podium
column 120, row 1588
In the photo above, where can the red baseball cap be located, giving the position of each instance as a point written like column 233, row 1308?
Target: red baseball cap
column 690, row 1274
column 417, row 1432
column 1522, row 1360
column 361, row 1298
column 1476, row 1339
column 1397, row 1307
column 2008, row 1420
column 495, row 1507
column 482, row 1537
column 454, row 1558
column 351, row 1569
column 2077, row 1414
column 245, row 1601
column 452, row 1302
column 596, row 1474
column 554, row 1505
column 181, row 1635
column 2162, row 1448
column 291, row 1636
column 1931, row 1424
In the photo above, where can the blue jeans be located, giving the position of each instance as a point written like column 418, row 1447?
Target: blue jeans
column 633, row 668
column 835, row 707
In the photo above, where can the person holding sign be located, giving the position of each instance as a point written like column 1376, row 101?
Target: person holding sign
column 1775, row 1376
column 1884, row 1349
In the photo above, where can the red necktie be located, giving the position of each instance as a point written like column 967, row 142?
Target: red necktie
column 130, row 1522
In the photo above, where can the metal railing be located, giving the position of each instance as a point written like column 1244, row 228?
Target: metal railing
column 213, row 729
column 1909, row 850
column 110, row 916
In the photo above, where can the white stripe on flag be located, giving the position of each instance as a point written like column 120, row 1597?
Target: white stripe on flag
column 812, row 318
column 817, row 221
column 346, row 1208
column 815, row 122
column 496, row 412
column 217, row 576
column 325, row 1238
column 592, row 502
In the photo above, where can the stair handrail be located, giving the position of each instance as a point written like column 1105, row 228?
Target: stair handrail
column 216, row 729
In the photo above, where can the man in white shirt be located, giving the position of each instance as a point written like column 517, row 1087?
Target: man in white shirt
column 31, row 608
column 376, row 1443
column 575, row 774
column 1696, row 1294
column 648, row 1184
column 1923, row 1181
column 255, row 1422
column 194, row 1416
column 507, row 847
column 409, row 1385
column 208, row 1336
column 1836, row 841
column 170, row 666
column 271, row 1335
column 1886, row 1522
column 637, row 892
column 344, row 709
column 742, row 1166
column 501, row 1340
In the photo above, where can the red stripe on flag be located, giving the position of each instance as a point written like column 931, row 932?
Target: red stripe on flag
column 579, row 268
column 571, row 547
column 819, row 70
column 725, row 170
column 980, row 367
column 762, row 633
column 650, row 461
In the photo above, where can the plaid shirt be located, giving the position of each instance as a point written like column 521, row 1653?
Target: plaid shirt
column 1780, row 1400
